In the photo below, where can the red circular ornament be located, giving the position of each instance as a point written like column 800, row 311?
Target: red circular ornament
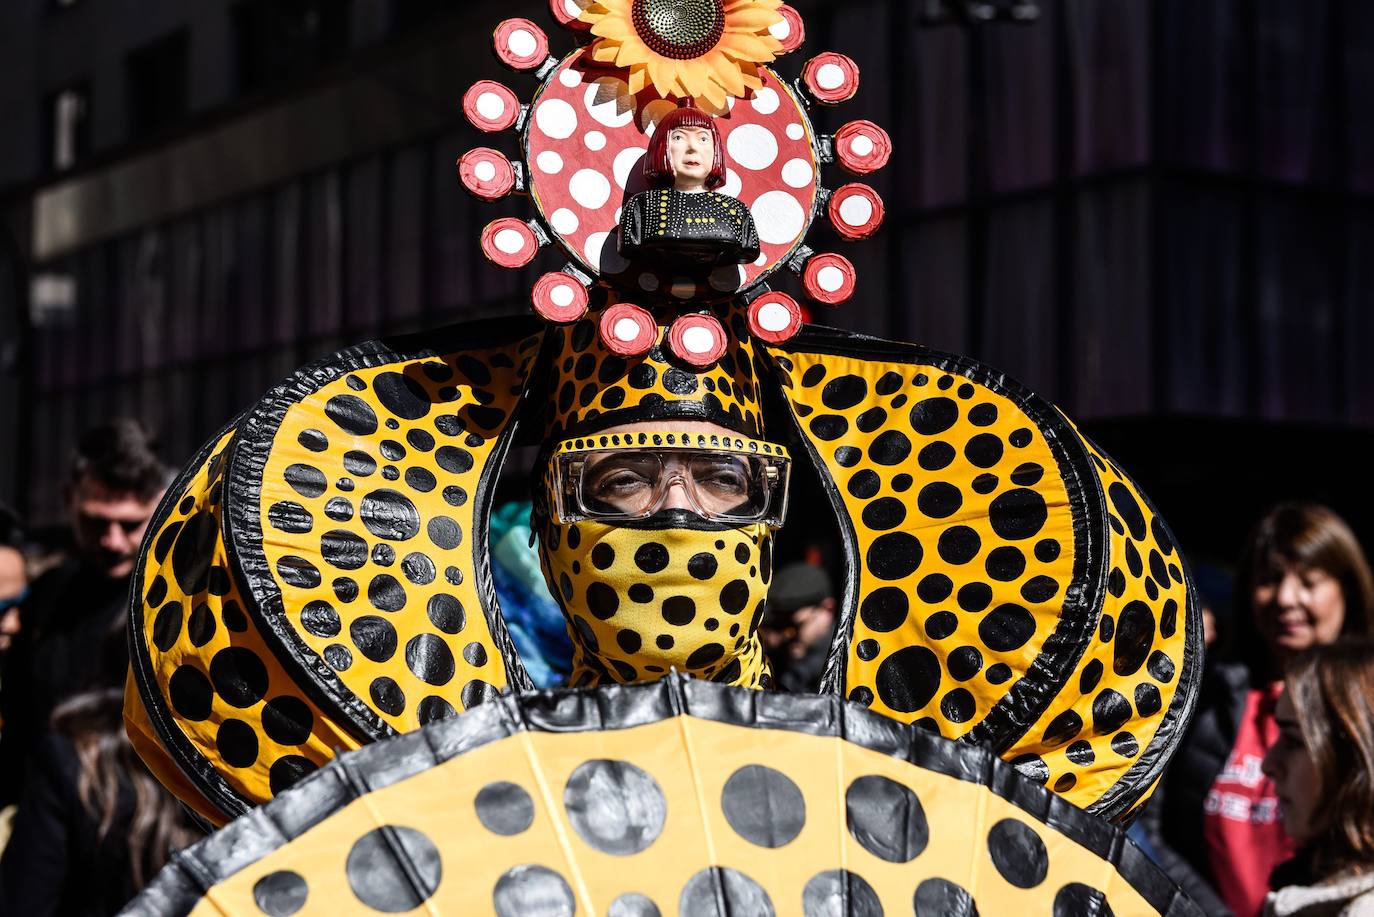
column 698, row 340
column 774, row 317
column 831, row 78
column 862, row 147
column 856, row 211
column 791, row 31
column 829, row 278
column 559, row 298
column 490, row 107
column 520, row 44
column 566, row 12
column 486, row 174
column 627, row 330
column 509, row 242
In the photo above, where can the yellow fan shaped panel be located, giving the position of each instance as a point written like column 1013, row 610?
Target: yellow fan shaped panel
column 674, row 798
column 1114, row 711
column 236, row 724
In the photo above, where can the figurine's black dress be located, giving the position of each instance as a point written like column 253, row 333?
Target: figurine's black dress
column 679, row 229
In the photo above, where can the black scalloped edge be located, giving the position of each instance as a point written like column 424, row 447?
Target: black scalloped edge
column 1020, row 708
column 252, row 448
column 194, row 871
column 184, row 755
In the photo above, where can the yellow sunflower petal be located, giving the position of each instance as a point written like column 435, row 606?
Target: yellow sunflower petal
column 631, row 53
column 714, row 94
column 661, row 76
column 732, row 6
column 691, row 77
column 744, row 47
column 751, row 19
column 750, row 74
column 605, row 52
column 725, row 71
column 614, row 27
column 636, row 80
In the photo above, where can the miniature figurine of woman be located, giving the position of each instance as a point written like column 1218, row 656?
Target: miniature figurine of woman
column 683, row 222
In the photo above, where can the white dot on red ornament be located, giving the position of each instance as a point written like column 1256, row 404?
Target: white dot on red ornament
column 626, row 161
column 798, row 173
column 698, row 340
column 604, row 101
column 733, row 184
column 590, row 189
column 549, row 162
column 522, row 43
column 626, row 329
column 796, row 131
column 570, row 78
column 555, row 118
column 779, row 217
column 856, row 210
column 753, row 146
column 774, row 317
column 829, row 76
column 595, row 140
column 861, row 145
column 562, row 295
column 490, row 106
column 564, row 220
column 830, row 279
column 766, row 101
column 484, row 170
column 509, row 241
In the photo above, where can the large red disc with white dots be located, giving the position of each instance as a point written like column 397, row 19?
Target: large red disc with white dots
column 559, row 297
column 520, row 44
column 774, row 317
column 831, row 78
column 509, row 242
column 862, row 147
column 627, row 330
column 490, row 107
column 856, row 211
column 829, row 278
column 585, row 145
column 697, row 339
column 486, row 174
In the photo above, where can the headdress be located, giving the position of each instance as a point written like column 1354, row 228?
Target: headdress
column 318, row 578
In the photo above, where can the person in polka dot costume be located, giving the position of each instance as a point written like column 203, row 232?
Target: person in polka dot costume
column 319, row 580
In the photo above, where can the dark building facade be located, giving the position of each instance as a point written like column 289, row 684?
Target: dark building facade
column 1145, row 210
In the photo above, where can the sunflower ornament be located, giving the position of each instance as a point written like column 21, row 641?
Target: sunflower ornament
column 707, row 50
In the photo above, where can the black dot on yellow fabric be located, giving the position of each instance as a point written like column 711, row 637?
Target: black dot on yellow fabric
column 475, row 654
column 958, row 706
column 446, row 613
column 940, row 625
column 338, row 657
column 964, row 663
column 286, row 771
column 864, row 484
column 430, row 659
column 389, row 514
column 943, row 898
column 445, row 533
column 1005, row 563
column 933, row 416
column 375, row 637
column 1063, row 729
column 720, row 891
column 1160, row 667
column 233, row 617
column 886, row 818
column 890, row 448
column 883, row 514
column 1090, row 676
column 840, row 893
column 402, row 395
column 1147, row 699
column 827, row 427
column 359, row 463
column 419, row 569
column 239, row 676
column 237, row 743
column 705, row 655
column 393, row 869
column 1076, row 898
column 615, row 806
column 862, row 696
column 345, row 589
column 651, row 557
column 298, row 572
column 504, row 808
column 1039, row 589
column 385, row 593
column 1110, row 711
column 934, row 589
column 602, row 600
column 306, row 480
column 281, row 894
column 1007, row 627
column 974, row 597
column 1125, row 745
column 343, row 549
column 633, row 904
column 167, row 625
column 908, row 678
column 476, row 692
column 432, row 709
column 287, row 720
column 339, row 509
column 387, row 696
column 290, row 517
column 763, row 805
column 1018, row 514
column 894, row 555
column 603, row 556
column 1080, row 753
column 193, row 552
column 998, row 674
column 734, row 595
column 1018, row 853
column 958, row 545
column 1135, row 634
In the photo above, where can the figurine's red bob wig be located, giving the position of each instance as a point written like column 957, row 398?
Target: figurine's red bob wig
column 658, row 167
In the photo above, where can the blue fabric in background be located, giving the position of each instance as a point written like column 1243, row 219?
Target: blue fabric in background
column 535, row 623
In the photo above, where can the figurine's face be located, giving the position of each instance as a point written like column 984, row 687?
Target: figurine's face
column 692, row 153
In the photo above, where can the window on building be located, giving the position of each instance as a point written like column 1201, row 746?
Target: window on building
column 156, row 77
column 68, row 127
column 279, row 39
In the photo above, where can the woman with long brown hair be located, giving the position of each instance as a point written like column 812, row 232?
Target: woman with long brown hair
column 1323, row 769
column 1303, row 582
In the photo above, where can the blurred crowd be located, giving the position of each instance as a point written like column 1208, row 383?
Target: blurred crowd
column 1268, row 807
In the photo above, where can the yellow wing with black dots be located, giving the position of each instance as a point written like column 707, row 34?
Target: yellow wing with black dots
column 676, row 797
column 318, row 578
column 1008, row 584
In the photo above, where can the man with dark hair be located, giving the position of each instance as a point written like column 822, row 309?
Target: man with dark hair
column 14, row 580
column 799, row 624
column 115, row 484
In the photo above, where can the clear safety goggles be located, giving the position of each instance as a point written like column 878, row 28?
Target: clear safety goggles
column 622, row 477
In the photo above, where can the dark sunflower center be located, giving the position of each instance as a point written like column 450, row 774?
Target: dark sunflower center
column 680, row 29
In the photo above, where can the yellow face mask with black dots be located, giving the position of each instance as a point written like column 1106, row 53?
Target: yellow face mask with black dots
column 670, row 590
